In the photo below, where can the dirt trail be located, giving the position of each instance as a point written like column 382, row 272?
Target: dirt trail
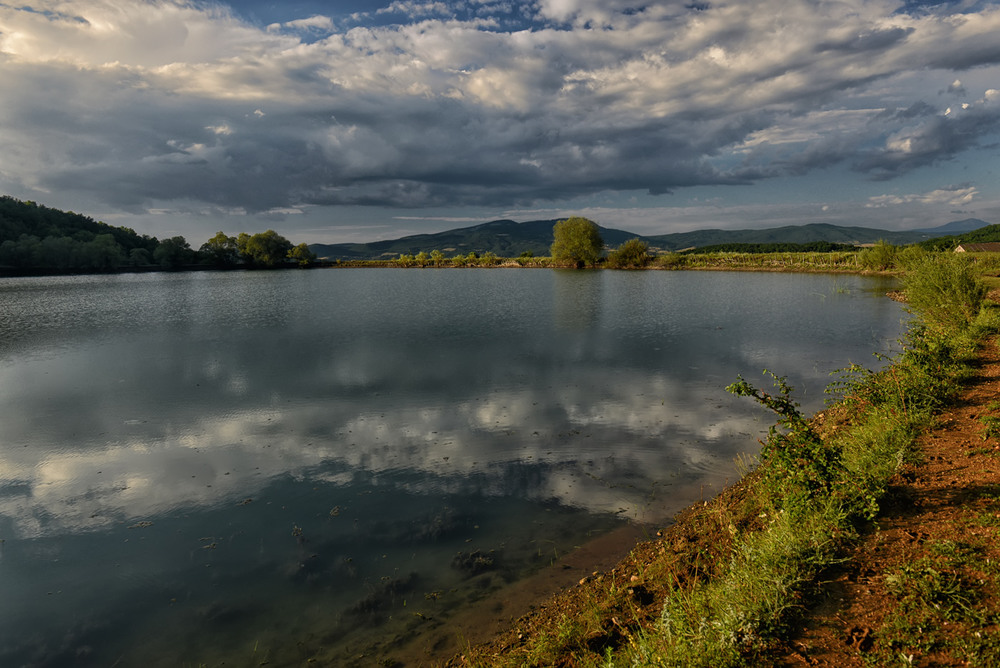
column 922, row 587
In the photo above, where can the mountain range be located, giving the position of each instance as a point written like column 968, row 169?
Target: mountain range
column 508, row 238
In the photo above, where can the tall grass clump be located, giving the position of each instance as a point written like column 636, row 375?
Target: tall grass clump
column 722, row 622
column 880, row 257
column 909, row 257
column 945, row 291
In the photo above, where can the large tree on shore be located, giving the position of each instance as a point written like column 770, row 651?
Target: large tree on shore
column 264, row 249
column 302, row 255
column 577, row 241
column 174, row 252
column 221, row 250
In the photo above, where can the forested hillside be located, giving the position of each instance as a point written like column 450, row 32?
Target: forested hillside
column 39, row 239
column 982, row 235
column 507, row 238
column 504, row 238
column 35, row 236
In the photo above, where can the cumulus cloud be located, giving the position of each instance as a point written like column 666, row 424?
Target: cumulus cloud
column 143, row 103
column 953, row 196
column 416, row 9
column 938, row 138
column 314, row 23
column 956, row 88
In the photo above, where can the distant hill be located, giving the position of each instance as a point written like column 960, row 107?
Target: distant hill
column 505, row 238
column 978, row 235
column 956, row 227
column 32, row 235
column 508, row 238
column 802, row 234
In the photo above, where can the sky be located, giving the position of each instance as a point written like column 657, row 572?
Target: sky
column 357, row 120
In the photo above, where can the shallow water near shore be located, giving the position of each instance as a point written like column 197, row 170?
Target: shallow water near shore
column 277, row 466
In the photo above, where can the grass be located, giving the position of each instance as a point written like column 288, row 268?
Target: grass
column 844, row 261
column 940, row 602
column 818, row 488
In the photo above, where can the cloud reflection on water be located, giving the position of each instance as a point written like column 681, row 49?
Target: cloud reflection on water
column 616, row 389
column 391, row 417
column 146, row 468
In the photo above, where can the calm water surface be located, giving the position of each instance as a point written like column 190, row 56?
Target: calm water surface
column 248, row 467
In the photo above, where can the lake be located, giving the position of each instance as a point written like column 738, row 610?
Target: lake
column 250, row 467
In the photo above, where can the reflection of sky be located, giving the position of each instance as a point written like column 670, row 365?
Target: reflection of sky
column 143, row 395
column 161, row 436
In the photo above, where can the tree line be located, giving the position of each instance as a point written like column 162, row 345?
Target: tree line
column 773, row 247
column 39, row 238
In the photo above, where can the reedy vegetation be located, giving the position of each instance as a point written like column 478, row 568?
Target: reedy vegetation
column 816, row 490
column 816, row 483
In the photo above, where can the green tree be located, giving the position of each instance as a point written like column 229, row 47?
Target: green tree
column 58, row 252
column 221, row 250
column 139, row 257
column 102, row 253
column 302, row 255
column 173, row 252
column 23, row 253
column 437, row 257
column 264, row 249
column 634, row 253
column 577, row 241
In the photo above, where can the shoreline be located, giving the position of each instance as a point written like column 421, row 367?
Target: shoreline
column 376, row 264
column 683, row 536
column 846, row 608
column 480, row 621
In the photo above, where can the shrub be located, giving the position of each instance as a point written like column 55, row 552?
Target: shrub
column 880, row 257
column 633, row 254
column 946, row 292
column 910, row 256
column 671, row 260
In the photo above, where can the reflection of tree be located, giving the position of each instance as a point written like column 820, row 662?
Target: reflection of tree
column 576, row 299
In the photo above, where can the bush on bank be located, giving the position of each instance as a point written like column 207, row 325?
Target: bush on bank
column 815, row 490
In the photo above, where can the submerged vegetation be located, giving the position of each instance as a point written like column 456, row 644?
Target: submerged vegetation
column 725, row 584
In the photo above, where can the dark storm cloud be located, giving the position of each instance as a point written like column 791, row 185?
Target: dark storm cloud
column 915, row 110
column 938, row 139
column 873, row 40
column 173, row 101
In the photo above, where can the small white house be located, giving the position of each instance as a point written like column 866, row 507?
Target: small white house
column 989, row 247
